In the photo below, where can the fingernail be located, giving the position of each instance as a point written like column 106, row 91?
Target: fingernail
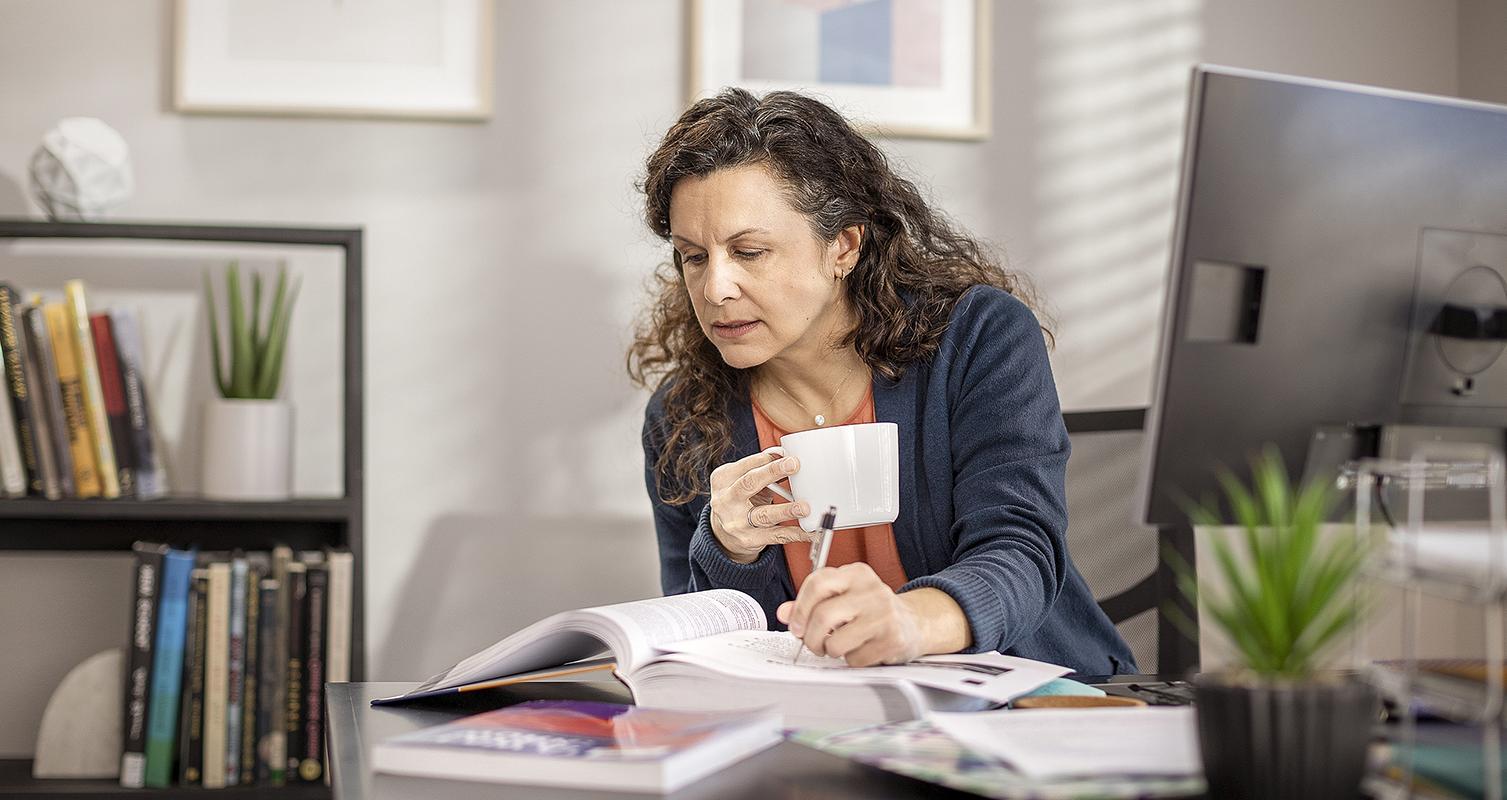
column 801, row 509
column 790, row 464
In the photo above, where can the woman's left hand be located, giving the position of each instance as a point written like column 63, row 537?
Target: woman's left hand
column 848, row 612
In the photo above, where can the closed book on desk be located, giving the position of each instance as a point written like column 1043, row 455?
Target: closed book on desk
column 712, row 651
column 581, row 745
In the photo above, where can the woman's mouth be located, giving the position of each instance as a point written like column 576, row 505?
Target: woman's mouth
column 734, row 329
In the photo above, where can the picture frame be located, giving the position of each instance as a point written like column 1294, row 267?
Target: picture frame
column 421, row 59
column 927, row 78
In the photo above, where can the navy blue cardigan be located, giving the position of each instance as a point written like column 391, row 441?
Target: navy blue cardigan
column 983, row 512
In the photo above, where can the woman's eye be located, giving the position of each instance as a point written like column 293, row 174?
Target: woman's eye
column 696, row 259
column 748, row 253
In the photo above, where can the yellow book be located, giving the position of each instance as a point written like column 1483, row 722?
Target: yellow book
column 94, row 396
column 80, row 443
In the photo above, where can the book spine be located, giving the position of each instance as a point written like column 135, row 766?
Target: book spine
column 216, row 677
column 94, row 398
column 151, row 478
column 191, row 727
column 167, row 667
column 311, row 762
column 268, row 670
column 277, row 754
column 294, row 694
column 338, row 650
column 12, row 468
column 11, row 342
column 117, row 416
column 148, row 575
column 45, row 480
column 236, row 671
column 80, row 440
column 250, row 701
column 50, row 394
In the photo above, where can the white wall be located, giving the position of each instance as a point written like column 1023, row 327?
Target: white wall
column 1483, row 58
column 505, row 260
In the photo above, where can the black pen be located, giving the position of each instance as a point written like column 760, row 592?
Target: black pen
column 819, row 550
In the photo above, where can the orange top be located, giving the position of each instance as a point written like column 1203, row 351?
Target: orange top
column 873, row 545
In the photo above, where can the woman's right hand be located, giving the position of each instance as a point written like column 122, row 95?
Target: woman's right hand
column 746, row 515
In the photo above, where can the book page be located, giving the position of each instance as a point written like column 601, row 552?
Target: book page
column 767, row 655
column 631, row 631
column 646, row 625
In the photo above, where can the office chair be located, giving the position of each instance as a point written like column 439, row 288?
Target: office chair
column 1114, row 550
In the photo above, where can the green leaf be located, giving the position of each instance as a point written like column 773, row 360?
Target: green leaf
column 214, row 337
column 1289, row 595
column 270, row 376
column 258, row 336
column 242, row 367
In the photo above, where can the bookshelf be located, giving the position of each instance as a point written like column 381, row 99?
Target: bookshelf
column 36, row 524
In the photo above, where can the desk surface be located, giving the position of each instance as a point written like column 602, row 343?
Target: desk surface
column 786, row 770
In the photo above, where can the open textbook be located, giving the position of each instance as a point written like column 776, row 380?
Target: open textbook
column 711, row 650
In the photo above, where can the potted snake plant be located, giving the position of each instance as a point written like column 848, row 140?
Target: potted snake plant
column 248, row 432
column 1281, row 723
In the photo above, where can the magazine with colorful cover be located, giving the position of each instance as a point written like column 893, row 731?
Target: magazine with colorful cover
column 584, row 745
column 919, row 749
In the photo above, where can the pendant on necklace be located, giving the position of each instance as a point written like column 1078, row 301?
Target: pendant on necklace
column 820, row 420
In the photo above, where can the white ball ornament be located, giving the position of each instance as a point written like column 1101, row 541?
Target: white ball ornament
column 82, row 170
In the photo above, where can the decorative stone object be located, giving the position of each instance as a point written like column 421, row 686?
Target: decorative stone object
column 82, row 726
column 82, row 170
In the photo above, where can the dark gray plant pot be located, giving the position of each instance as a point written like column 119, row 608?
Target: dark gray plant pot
column 1292, row 742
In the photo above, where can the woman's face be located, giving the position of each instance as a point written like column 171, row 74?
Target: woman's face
column 761, row 284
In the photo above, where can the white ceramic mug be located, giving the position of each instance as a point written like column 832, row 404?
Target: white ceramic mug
column 853, row 467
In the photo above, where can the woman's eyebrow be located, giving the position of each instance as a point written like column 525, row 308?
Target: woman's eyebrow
column 743, row 232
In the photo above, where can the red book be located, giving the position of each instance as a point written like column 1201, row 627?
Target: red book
column 114, row 390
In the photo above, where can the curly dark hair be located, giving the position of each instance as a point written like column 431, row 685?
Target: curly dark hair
column 911, row 259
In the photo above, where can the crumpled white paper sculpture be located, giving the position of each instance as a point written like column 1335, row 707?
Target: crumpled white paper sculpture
column 82, row 170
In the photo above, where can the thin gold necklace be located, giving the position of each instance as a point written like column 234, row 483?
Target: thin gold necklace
column 819, row 419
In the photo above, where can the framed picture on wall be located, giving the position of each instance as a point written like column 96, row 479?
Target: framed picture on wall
column 428, row 59
column 895, row 67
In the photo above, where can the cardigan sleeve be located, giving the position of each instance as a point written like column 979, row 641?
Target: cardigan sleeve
column 690, row 560
column 1009, row 454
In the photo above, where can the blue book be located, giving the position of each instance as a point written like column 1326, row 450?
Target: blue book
column 167, row 667
column 237, row 668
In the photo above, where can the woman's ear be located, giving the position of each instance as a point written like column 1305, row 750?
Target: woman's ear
column 846, row 249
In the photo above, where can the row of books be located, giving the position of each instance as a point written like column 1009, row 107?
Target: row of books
column 74, row 420
column 228, row 660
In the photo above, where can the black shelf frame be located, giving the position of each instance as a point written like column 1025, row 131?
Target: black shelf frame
column 35, row 524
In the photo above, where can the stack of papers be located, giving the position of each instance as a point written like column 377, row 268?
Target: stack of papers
column 1081, row 742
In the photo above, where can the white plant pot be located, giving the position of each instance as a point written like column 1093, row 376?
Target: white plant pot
column 248, row 450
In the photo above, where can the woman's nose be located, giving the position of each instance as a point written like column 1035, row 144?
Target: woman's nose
column 721, row 280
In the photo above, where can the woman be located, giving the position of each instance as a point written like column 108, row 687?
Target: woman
column 810, row 286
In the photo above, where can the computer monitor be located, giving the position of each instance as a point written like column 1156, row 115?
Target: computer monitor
column 1340, row 256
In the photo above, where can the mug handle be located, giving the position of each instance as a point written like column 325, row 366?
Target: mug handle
column 772, row 487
